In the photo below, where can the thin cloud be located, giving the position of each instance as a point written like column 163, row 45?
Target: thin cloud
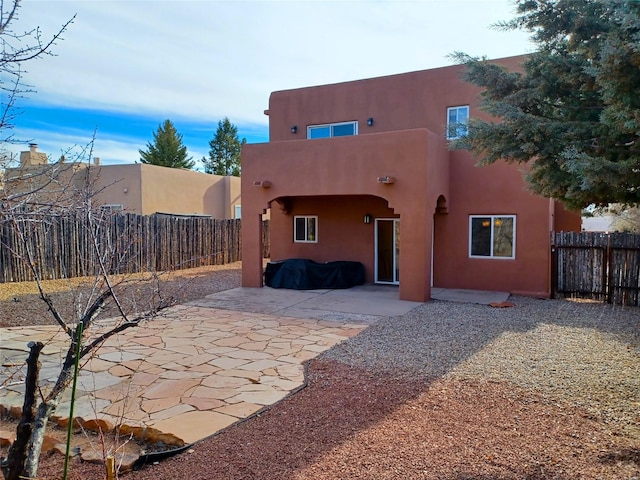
column 199, row 61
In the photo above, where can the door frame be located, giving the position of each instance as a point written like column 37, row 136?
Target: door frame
column 394, row 259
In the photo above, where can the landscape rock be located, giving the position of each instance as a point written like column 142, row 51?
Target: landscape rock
column 137, row 432
column 7, row 438
column 77, row 422
column 98, row 425
column 155, row 436
column 52, row 444
column 15, row 412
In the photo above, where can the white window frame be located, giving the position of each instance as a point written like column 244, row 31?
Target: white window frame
column 457, row 129
column 112, row 208
column 330, row 126
column 492, row 220
column 237, row 211
column 306, row 226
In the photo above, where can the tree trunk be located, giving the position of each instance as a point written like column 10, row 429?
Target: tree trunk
column 24, row 454
column 17, row 456
column 45, row 410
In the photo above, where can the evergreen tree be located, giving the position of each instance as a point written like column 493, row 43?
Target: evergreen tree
column 224, row 155
column 167, row 149
column 573, row 113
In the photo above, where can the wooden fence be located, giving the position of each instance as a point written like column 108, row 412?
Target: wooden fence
column 600, row 266
column 72, row 246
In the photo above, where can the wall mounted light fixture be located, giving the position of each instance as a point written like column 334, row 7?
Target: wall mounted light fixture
column 294, row 129
column 367, row 218
column 387, row 180
column 370, row 121
column 262, row 183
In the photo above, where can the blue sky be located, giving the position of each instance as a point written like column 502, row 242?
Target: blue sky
column 123, row 67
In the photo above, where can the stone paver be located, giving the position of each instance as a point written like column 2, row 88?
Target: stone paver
column 193, row 371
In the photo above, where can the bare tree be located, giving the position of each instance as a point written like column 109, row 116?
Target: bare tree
column 30, row 202
column 26, row 218
column 17, row 48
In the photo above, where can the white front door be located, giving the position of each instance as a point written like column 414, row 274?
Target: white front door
column 387, row 234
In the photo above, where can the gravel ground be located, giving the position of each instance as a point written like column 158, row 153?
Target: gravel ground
column 547, row 389
column 581, row 352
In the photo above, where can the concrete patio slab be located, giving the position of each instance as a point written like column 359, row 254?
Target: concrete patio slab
column 483, row 297
column 364, row 303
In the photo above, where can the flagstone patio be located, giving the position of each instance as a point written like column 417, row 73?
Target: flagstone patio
column 190, row 373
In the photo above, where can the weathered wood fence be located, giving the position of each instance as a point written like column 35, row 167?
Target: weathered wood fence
column 600, row 266
column 65, row 246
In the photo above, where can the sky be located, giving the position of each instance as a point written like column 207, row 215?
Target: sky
column 123, row 67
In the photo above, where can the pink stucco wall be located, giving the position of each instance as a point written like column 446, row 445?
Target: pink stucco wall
column 336, row 179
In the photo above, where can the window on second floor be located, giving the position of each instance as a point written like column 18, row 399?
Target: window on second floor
column 342, row 129
column 457, row 119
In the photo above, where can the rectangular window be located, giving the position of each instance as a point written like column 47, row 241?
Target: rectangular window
column 305, row 229
column 112, row 208
column 492, row 236
column 329, row 130
column 457, row 120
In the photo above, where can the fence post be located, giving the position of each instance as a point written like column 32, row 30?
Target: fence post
column 608, row 270
column 554, row 266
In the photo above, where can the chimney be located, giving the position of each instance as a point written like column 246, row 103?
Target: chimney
column 33, row 157
column 96, row 161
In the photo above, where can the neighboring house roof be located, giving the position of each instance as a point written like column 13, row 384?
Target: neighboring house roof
column 133, row 188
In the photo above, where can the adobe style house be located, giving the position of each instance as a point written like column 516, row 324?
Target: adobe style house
column 133, row 188
column 362, row 171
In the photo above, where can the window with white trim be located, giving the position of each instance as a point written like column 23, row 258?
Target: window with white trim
column 492, row 236
column 305, row 229
column 457, row 121
column 342, row 129
column 112, row 208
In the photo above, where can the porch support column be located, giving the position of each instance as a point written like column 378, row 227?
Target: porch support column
column 251, row 250
column 416, row 236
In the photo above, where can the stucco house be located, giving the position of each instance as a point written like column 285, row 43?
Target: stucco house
column 362, row 171
column 132, row 188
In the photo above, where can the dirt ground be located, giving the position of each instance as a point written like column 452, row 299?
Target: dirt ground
column 21, row 305
column 349, row 424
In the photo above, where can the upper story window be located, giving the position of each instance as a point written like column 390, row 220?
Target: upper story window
column 492, row 236
column 457, row 119
column 342, row 129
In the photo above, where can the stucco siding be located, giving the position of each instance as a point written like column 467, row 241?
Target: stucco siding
column 432, row 190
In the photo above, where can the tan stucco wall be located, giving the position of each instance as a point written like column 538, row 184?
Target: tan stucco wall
column 188, row 192
column 57, row 183
column 147, row 189
column 139, row 188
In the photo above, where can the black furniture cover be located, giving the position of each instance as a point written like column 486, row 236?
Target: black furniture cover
column 302, row 274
